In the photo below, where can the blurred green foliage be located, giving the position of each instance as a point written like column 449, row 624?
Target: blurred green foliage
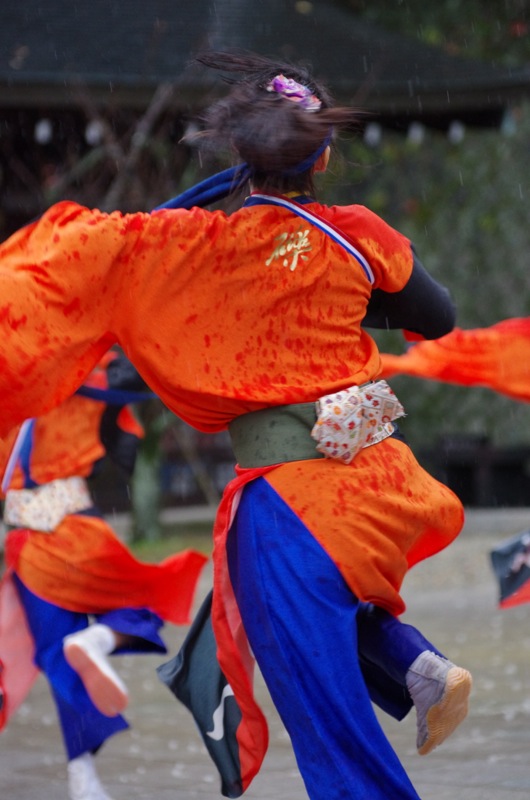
column 492, row 30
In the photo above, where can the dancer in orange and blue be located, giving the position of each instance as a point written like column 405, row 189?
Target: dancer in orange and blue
column 256, row 322
column 69, row 567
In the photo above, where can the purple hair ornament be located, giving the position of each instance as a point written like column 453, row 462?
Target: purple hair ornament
column 294, row 91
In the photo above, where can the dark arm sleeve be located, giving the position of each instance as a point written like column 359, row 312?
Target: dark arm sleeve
column 423, row 306
column 121, row 374
column 121, row 446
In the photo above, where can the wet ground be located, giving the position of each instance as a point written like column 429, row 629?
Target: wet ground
column 453, row 599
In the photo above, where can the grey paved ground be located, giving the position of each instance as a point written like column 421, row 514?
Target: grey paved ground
column 452, row 599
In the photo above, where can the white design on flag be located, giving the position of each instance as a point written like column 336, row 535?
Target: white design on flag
column 218, row 716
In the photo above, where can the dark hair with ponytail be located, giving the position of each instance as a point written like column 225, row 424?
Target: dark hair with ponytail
column 270, row 133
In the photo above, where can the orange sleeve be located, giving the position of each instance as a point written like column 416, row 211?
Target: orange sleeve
column 56, row 298
column 496, row 358
column 70, row 284
column 388, row 251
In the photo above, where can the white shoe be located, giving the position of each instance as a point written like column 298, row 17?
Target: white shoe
column 83, row 781
column 86, row 653
column 440, row 692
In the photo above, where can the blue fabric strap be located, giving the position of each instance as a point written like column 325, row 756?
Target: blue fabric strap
column 114, row 397
column 210, row 190
column 25, row 455
column 21, row 455
column 24, row 432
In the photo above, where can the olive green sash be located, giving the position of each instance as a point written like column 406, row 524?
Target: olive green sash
column 274, row 435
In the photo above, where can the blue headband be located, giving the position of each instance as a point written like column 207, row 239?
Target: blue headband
column 220, row 185
column 308, row 162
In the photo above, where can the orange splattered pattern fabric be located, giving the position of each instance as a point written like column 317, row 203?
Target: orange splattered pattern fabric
column 218, row 323
column 213, row 321
column 376, row 517
column 82, row 566
column 497, row 357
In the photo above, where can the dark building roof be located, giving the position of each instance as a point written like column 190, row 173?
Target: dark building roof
column 122, row 49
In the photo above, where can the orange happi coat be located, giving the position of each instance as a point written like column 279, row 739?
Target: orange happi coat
column 66, row 440
column 219, row 320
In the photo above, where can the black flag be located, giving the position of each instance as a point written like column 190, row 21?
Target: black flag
column 195, row 678
column 511, row 565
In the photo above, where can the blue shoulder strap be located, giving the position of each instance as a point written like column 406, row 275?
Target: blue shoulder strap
column 114, row 397
column 21, row 452
column 214, row 188
column 327, row 227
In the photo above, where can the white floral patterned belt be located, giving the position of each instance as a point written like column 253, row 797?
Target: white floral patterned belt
column 43, row 507
column 355, row 418
column 337, row 426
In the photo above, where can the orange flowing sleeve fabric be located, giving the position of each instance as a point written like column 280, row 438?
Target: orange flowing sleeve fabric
column 54, row 329
column 84, row 567
column 66, row 440
column 497, row 358
column 69, row 284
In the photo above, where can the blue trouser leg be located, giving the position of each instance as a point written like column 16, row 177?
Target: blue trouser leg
column 387, row 648
column 84, row 728
column 391, row 696
column 140, row 624
column 300, row 619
